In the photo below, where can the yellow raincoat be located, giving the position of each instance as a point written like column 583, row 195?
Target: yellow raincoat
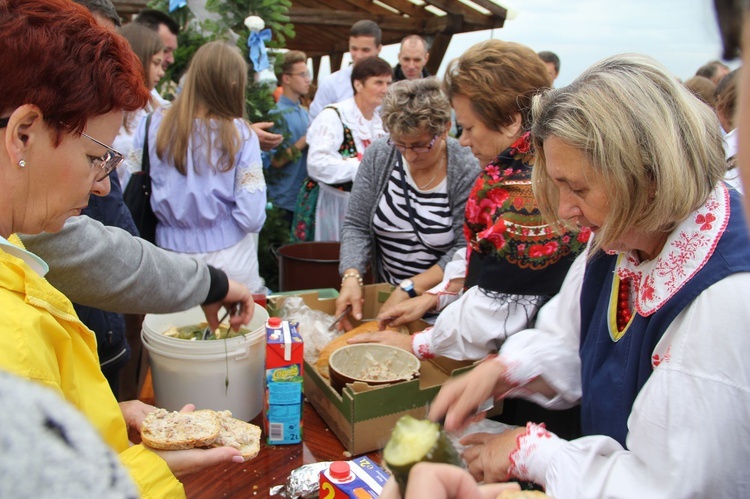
column 41, row 338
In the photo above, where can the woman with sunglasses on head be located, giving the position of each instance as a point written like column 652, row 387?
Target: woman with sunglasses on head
column 57, row 116
column 405, row 216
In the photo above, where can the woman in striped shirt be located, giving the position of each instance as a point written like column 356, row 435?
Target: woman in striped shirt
column 406, row 211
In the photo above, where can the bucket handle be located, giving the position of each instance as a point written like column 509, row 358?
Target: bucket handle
column 240, row 354
column 274, row 250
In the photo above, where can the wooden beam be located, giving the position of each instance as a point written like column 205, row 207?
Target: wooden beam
column 316, row 68
column 408, row 8
column 456, row 7
column 369, row 7
column 437, row 51
column 336, row 59
column 492, row 7
column 323, row 17
column 331, row 4
column 451, row 23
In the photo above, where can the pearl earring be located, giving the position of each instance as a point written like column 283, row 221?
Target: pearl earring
column 22, row 163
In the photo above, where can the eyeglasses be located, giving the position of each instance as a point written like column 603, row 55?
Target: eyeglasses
column 416, row 149
column 303, row 74
column 107, row 163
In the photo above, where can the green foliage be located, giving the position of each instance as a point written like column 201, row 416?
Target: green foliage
column 274, row 235
column 273, row 13
column 232, row 15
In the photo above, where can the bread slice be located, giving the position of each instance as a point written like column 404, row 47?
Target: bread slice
column 341, row 341
column 238, row 434
column 180, row 430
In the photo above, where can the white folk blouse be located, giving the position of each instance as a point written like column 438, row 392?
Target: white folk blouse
column 325, row 135
column 689, row 429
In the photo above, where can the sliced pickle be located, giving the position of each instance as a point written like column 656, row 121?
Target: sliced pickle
column 417, row 440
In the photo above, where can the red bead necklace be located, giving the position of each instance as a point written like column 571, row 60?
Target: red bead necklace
column 623, row 305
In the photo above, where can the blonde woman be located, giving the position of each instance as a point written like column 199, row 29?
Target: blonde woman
column 634, row 335
column 149, row 48
column 209, row 194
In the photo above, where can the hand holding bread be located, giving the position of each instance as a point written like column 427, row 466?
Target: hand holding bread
column 166, row 430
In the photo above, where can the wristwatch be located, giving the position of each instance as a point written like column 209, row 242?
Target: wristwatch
column 407, row 286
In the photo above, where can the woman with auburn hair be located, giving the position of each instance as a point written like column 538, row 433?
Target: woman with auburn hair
column 209, row 193
column 632, row 336
column 516, row 261
column 57, row 116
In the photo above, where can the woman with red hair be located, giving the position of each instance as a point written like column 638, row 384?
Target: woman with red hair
column 65, row 84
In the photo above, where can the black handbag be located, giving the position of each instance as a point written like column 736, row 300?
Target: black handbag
column 137, row 196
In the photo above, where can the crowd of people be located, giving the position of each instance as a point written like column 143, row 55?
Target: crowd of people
column 580, row 243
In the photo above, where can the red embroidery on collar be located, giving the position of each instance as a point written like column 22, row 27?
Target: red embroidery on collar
column 688, row 249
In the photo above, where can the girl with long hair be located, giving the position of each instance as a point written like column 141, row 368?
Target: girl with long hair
column 208, row 191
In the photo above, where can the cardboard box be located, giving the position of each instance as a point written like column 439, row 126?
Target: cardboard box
column 325, row 299
column 362, row 416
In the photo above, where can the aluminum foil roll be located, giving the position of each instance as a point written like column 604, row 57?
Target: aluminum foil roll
column 302, row 482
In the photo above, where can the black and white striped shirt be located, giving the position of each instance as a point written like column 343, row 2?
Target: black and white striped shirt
column 404, row 252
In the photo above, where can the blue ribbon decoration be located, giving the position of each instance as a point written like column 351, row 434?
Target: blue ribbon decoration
column 256, row 44
column 176, row 4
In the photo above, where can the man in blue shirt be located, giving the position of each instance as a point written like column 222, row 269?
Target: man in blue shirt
column 289, row 160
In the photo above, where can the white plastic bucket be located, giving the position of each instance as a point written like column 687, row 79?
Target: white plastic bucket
column 217, row 374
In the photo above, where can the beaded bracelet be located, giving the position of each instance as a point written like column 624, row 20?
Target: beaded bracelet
column 352, row 274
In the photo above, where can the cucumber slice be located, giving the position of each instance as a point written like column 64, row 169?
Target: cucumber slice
column 416, row 440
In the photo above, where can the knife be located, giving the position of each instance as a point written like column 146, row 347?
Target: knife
column 338, row 319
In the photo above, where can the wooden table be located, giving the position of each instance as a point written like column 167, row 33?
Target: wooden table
column 272, row 465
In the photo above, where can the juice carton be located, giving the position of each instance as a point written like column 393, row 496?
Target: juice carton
column 358, row 479
column 282, row 406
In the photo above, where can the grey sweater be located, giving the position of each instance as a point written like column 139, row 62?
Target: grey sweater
column 358, row 244
column 107, row 268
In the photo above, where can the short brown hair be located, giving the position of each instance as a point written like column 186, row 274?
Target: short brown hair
column 367, row 68
column 709, row 69
column 726, row 96
column 291, row 58
column 703, row 88
column 365, row 27
column 499, row 78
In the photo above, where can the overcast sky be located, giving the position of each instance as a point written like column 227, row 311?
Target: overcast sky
column 682, row 34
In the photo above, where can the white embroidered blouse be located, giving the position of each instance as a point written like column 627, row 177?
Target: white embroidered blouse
column 325, row 135
column 690, row 424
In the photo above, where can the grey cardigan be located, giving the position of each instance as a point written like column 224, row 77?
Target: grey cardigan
column 358, row 244
column 106, row 267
